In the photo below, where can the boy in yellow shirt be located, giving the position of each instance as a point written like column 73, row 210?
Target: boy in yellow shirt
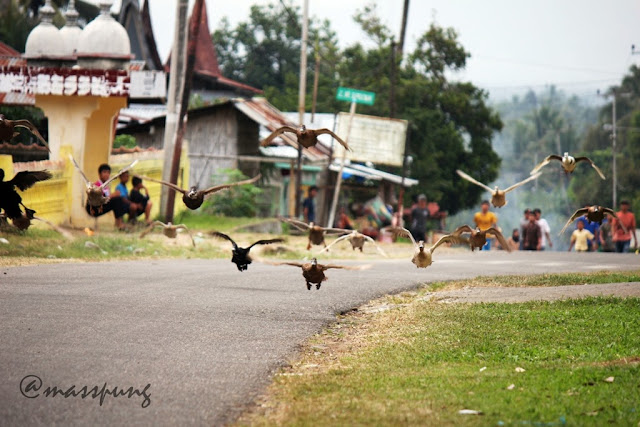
column 485, row 219
column 580, row 238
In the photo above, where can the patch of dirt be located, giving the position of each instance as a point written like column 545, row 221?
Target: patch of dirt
column 530, row 293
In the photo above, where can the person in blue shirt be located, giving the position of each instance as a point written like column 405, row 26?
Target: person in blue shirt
column 135, row 208
column 309, row 205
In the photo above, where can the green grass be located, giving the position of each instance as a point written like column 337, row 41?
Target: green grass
column 422, row 363
column 559, row 279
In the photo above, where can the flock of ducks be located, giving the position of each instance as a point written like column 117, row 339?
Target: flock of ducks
column 313, row 272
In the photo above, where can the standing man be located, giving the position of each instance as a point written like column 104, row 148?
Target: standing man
column 309, row 205
column 419, row 216
column 117, row 204
column 484, row 220
column 523, row 223
column 544, row 228
column 628, row 219
column 580, row 238
column 532, row 235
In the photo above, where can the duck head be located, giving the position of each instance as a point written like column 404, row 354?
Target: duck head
column 421, row 245
column 314, row 262
column 193, row 193
column 302, row 128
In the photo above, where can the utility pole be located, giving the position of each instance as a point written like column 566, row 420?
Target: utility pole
column 184, row 104
column 301, row 96
column 336, row 193
column 392, row 90
column 176, row 83
column 403, row 28
column 316, row 77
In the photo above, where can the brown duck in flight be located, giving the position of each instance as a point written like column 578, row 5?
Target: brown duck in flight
column 478, row 237
column 10, row 200
column 95, row 195
column 357, row 241
column 313, row 272
column 316, row 233
column 568, row 163
column 240, row 256
column 594, row 213
column 423, row 257
column 498, row 198
column 306, row 137
column 193, row 198
column 8, row 132
column 168, row 229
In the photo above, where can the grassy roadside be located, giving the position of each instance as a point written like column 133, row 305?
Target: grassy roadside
column 591, row 278
column 420, row 362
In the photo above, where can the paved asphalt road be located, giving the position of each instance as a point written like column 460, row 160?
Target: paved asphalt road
column 205, row 337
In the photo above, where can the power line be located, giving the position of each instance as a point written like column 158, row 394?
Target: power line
column 542, row 65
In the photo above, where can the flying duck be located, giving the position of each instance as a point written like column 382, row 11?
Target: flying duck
column 478, row 237
column 193, row 198
column 316, row 233
column 168, row 229
column 498, row 198
column 95, row 196
column 593, row 213
column 7, row 130
column 423, row 257
column 568, row 163
column 240, row 256
column 313, row 272
column 306, row 137
column 357, row 241
column 10, row 200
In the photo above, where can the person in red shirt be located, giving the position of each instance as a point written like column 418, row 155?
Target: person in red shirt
column 622, row 239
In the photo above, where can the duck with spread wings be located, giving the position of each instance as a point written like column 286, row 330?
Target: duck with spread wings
column 193, row 198
column 498, row 197
column 313, row 272
column 8, row 130
column 478, row 237
column 10, row 200
column 170, row 230
column 423, row 256
column 568, row 163
column 593, row 213
column 357, row 241
column 240, row 256
column 306, row 137
column 316, row 233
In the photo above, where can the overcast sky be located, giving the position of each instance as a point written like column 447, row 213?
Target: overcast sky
column 580, row 45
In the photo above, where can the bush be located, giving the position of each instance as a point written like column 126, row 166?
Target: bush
column 236, row 201
column 124, row 140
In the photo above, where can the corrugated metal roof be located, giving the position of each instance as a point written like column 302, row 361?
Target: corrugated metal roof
column 386, row 176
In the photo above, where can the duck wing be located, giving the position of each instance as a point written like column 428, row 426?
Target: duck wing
column 184, row 227
column 593, row 165
column 531, row 178
column 266, row 242
column 151, row 226
column 27, row 179
column 277, row 133
column 86, row 180
column 473, row 181
column 462, row 229
column 64, row 233
column 225, row 237
column 344, row 267
column 123, row 170
column 449, row 238
column 405, row 232
column 339, row 239
column 545, row 162
column 28, row 125
column 302, row 226
column 575, row 215
column 500, row 237
column 323, row 131
column 159, row 181
column 232, row 184
column 369, row 239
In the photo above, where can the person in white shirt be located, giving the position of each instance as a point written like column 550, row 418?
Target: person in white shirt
column 544, row 227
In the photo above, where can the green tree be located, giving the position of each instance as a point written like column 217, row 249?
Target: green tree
column 236, row 201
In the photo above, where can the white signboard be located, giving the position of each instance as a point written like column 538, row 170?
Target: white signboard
column 373, row 139
column 148, row 84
